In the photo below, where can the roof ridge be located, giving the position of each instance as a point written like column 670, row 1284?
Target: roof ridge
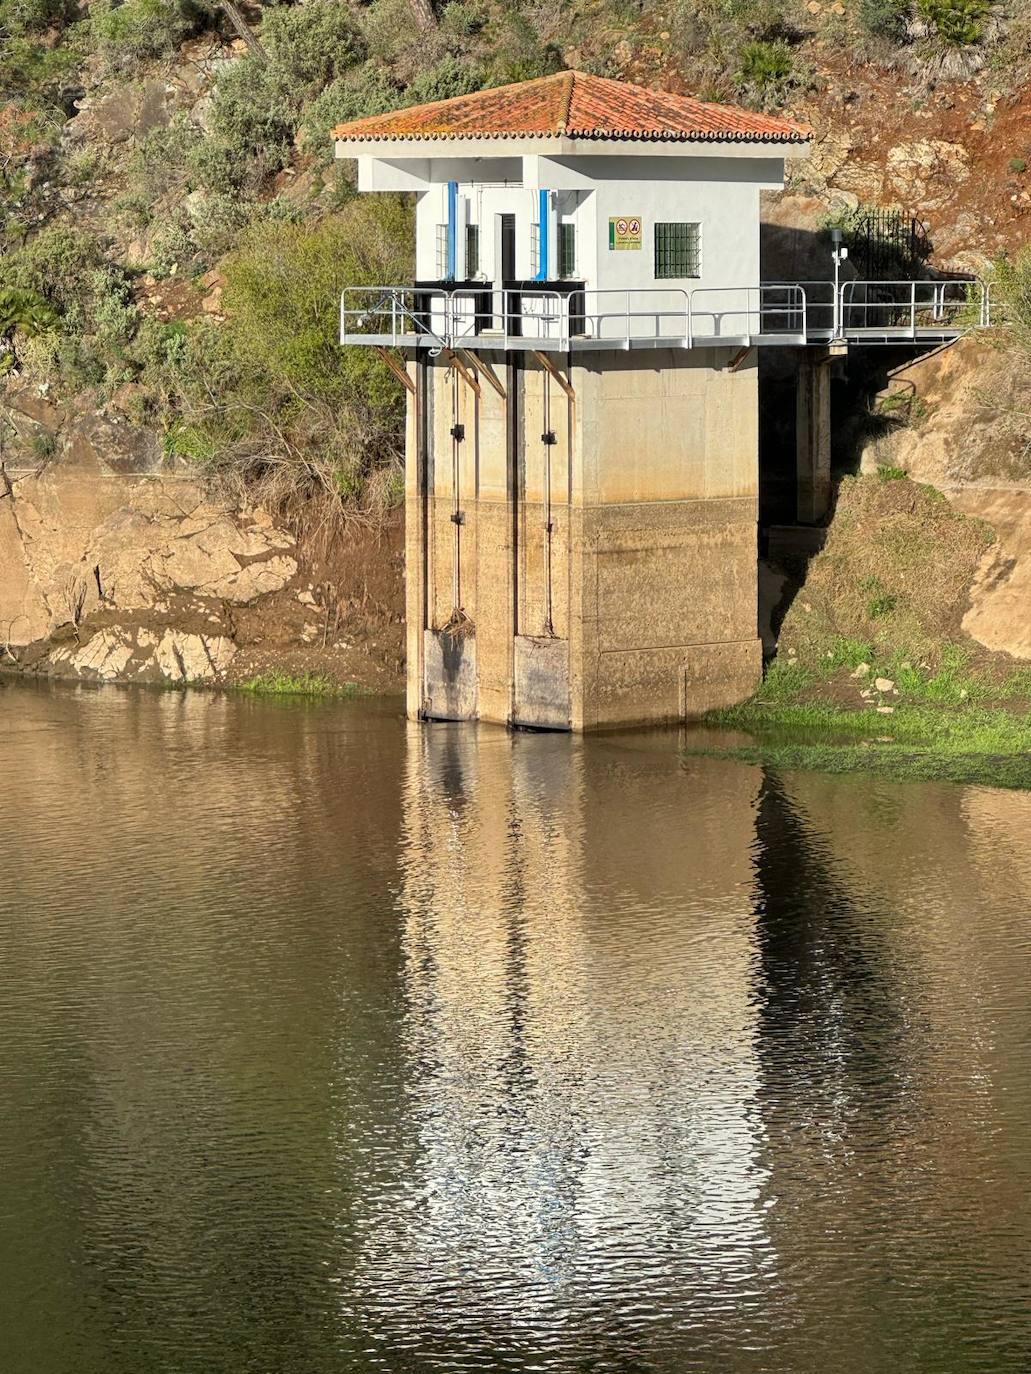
column 569, row 82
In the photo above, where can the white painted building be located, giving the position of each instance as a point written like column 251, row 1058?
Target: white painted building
column 646, row 202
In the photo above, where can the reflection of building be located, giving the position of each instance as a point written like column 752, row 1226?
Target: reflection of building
column 580, row 1027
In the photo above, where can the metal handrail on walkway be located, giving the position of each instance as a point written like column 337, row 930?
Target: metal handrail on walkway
column 801, row 313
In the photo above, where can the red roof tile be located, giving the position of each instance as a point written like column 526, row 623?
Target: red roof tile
column 575, row 105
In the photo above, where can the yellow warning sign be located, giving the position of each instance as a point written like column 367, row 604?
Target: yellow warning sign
column 625, row 231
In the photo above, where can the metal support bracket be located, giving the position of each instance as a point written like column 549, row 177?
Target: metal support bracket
column 398, row 369
column 484, row 367
column 463, row 371
column 553, row 372
column 738, row 358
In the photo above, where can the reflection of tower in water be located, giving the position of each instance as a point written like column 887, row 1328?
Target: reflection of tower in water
column 580, row 1037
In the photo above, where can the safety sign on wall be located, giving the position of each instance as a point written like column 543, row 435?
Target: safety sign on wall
column 625, row 231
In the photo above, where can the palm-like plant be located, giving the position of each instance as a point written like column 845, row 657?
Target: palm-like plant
column 21, row 312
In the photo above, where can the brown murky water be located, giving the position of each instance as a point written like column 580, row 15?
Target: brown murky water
column 329, row 1043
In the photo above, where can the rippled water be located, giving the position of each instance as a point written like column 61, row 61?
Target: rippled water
column 330, row 1043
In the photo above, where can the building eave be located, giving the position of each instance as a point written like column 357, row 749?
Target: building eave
column 559, row 145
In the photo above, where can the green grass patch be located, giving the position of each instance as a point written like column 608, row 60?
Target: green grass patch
column 973, row 744
column 301, row 685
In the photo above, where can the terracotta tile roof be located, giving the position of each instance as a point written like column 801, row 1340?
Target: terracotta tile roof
column 575, row 105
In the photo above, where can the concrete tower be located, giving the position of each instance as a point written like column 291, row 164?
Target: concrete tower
column 582, row 445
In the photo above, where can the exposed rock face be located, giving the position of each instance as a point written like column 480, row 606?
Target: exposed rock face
column 1000, row 599
column 972, row 440
column 71, row 546
column 128, row 654
column 925, row 173
column 105, row 531
column 127, row 112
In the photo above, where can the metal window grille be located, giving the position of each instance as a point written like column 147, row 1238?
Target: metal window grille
column 678, row 250
column 567, row 250
column 535, row 249
column 472, row 250
column 441, row 251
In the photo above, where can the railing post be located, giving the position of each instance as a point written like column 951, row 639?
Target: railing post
column 912, row 309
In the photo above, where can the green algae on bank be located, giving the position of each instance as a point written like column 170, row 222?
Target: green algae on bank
column 970, row 745
column 299, row 685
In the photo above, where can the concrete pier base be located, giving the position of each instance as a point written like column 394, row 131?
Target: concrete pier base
column 581, row 552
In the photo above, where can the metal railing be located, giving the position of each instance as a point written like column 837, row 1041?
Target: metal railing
column 801, row 312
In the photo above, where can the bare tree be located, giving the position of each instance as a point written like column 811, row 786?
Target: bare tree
column 235, row 16
column 423, row 12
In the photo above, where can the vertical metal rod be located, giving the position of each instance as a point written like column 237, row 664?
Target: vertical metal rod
column 549, row 628
column 456, row 510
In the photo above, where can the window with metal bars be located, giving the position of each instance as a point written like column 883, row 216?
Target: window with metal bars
column 678, row 250
column 567, row 250
column 535, row 249
column 442, row 255
column 472, row 250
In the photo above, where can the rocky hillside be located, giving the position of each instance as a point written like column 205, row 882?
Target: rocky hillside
column 174, row 234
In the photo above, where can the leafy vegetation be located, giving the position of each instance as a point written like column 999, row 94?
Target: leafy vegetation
column 957, row 22
column 126, row 34
column 271, row 400
column 301, row 685
column 971, row 745
column 1012, row 289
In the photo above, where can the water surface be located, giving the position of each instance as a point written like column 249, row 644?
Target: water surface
column 333, row 1044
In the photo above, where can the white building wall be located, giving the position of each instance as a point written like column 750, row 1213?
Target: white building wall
column 720, row 194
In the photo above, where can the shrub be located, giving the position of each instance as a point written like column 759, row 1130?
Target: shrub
column 465, row 18
column 957, row 22
column 282, row 292
column 1018, row 165
column 766, row 70
column 253, row 117
column 519, row 54
column 56, row 264
column 310, row 45
column 1012, row 289
column 128, row 34
column 452, row 76
column 31, row 63
column 367, row 90
column 35, row 16
column 269, row 404
column 887, row 19
column 258, row 105
column 21, row 312
column 162, row 157
column 216, row 220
